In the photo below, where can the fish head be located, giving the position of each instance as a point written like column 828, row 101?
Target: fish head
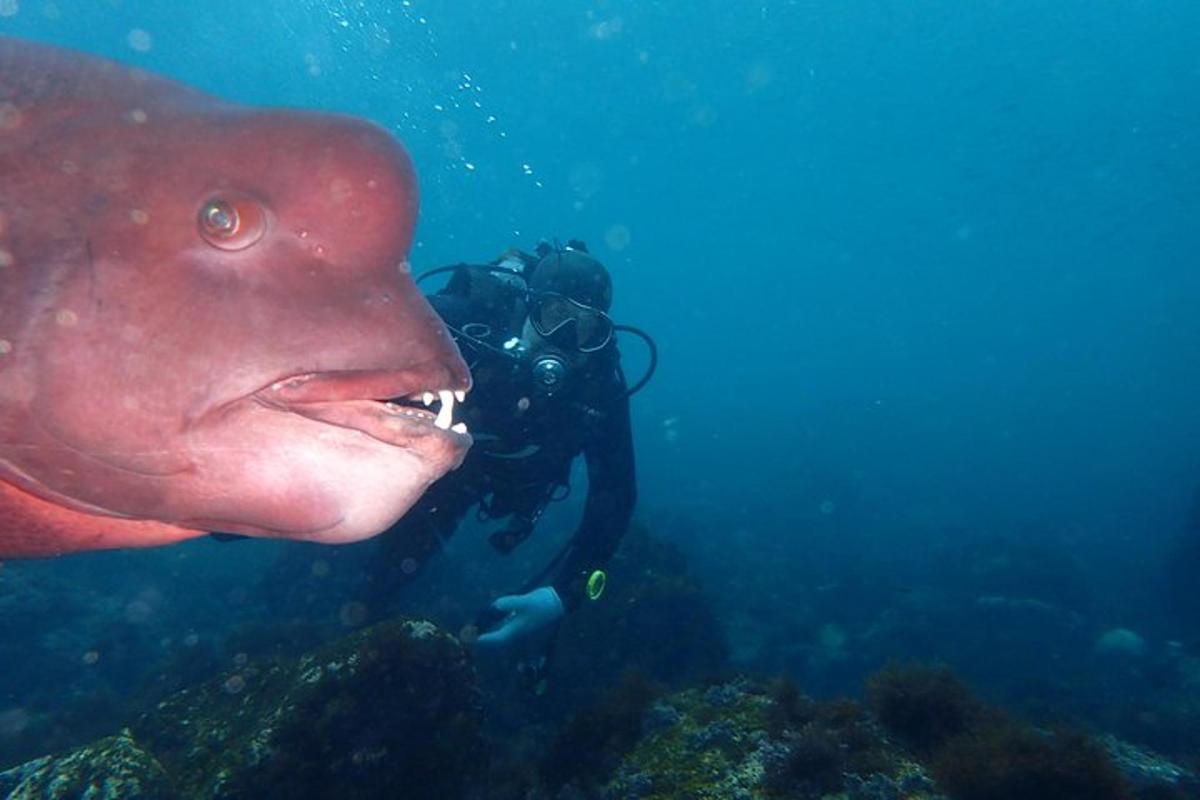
column 214, row 303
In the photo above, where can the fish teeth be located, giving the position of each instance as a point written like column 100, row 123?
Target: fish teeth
column 459, row 427
column 460, row 395
column 445, row 414
column 427, row 398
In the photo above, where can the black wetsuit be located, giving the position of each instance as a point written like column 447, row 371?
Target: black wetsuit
column 525, row 443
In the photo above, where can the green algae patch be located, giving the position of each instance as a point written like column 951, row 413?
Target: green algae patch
column 113, row 768
column 698, row 750
column 745, row 741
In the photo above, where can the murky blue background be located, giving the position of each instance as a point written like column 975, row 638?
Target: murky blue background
column 924, row 276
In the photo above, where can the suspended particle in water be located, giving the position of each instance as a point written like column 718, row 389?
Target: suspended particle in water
column 234, row 684
column 138, row 612
column 9, row 8
column 139, row 40
column 617, row 238
column 828, row 507
column 353, row 614
column 91, row 657
column 408, row 566
column 13, row 721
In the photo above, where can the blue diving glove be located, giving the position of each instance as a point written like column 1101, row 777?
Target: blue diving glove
column 523, row 615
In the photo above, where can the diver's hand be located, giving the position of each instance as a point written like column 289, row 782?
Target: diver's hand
column 523, row 615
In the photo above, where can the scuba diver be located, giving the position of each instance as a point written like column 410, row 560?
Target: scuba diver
column 548, row 387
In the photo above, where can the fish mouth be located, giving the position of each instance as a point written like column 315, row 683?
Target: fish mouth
column 396, row 407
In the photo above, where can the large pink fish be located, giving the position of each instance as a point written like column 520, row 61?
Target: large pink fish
column 201, row 307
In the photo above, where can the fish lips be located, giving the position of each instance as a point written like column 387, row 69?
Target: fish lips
column 365, row 401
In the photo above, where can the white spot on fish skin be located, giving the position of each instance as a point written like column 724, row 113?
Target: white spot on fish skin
column 139, row 40
column 405, row 267
column 66, row 318
column 139, row 217
column 10, row 116
column 294, row 382
column 69, row 167
column 5, row 347
column 130, row 403
column 340, row 190
column 6, row 258
column 138, row 117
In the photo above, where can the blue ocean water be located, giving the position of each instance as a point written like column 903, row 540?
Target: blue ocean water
column 923, row 277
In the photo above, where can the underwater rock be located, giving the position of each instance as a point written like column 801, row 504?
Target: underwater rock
column 115, row 768
column 726, row 742
column 979, row 752
column 654, row 619
column 1120, row 642
column 392, row 705
column 1146, row 771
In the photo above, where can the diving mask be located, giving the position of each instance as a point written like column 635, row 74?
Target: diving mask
column 551, row 314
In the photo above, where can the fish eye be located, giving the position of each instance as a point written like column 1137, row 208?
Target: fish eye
column 232, row 223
